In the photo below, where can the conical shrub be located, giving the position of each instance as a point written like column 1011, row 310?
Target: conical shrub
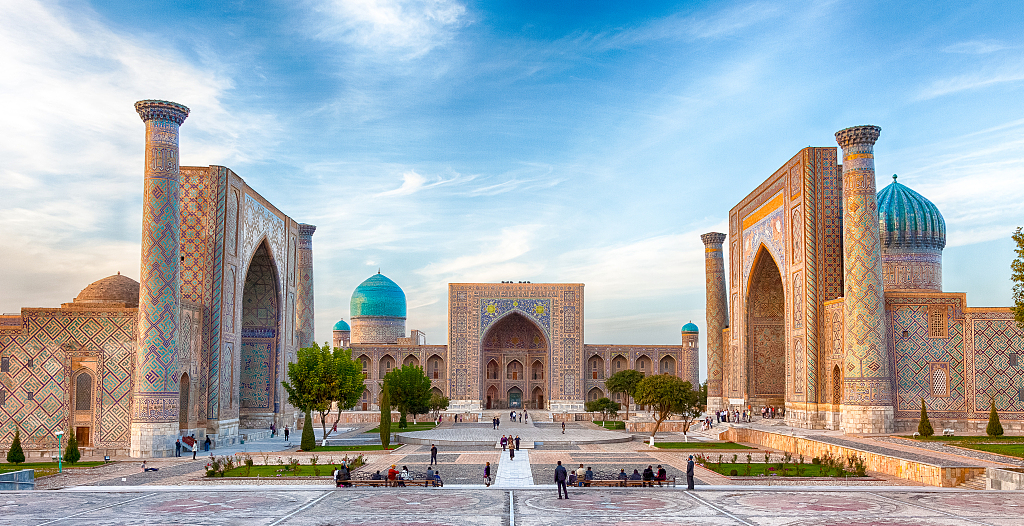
column 925, row 427
column 71, row 452
column 995, row 427
column 16, row 455
column 308, row 442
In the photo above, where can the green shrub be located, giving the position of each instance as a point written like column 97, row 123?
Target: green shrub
column 815, row 461
column 925, row 426
column 16, row 455
column 733, row 473
column 308, row 442
column 71, row 452
column 995, row 428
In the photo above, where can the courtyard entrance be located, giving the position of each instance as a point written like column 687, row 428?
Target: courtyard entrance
column 515, row 358
column 258, row 358
column 766, row 334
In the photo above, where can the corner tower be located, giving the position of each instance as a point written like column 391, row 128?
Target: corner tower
column 155, row 402
column 867, row 387
column 377, row 310
column 304, row 294
column 717, row 315
column 690, row 370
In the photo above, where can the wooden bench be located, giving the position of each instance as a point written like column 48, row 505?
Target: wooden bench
column 627, row 483
column 392, row 483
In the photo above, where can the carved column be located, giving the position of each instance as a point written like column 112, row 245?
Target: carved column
column 154, row 423
column 717, row 316
column 304, row 299
column 867, row 387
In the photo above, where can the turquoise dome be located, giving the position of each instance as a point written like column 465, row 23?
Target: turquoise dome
column 906, row 220
column 341, row 326
column 378, row 296
column 690, row 327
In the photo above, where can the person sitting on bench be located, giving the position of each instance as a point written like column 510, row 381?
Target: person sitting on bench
column 437, row 479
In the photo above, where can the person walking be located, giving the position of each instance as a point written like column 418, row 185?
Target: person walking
column 689, row 473
column 207, row 443
column 177, row 447
column 504, row 442
column 560, row 477
column 433, row 454
column 517, row 442
column 487, row 474
column 195, row 449
column 563, row 428
column 511, row 453
column 285, row 433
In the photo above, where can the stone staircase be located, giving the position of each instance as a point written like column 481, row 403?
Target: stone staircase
column 976, row 482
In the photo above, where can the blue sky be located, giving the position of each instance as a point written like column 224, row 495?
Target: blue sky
column 448, row 141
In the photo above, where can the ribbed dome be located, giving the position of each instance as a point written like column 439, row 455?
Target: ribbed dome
column 341, row 326
column 378, row 296
column 113, row 289
column 690, row 327
column 907, row 220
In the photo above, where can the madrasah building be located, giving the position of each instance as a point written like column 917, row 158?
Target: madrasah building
column 835, row 310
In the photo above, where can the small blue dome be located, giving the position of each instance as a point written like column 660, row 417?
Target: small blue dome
column 378, row 296
column 341, row 326
column 907, row 220
column 690, row 327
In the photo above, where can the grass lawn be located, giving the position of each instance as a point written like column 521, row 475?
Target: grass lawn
column 792, row 470
column 699, row 445
column 961, row 440
column 45, row 468
column 371, row 447
column 611, row 424
column 421, row 426
column 1013, row 449
column 275, row 470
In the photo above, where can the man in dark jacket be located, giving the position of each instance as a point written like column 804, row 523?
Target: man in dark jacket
column 560, row 477
column 649, row 476
column 433, row 454
column 689, row 473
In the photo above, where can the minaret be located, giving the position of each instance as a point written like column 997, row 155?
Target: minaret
column 867, row 384
column 154, row 421
column 717, row 316
column 690, row 370
column 304, row 299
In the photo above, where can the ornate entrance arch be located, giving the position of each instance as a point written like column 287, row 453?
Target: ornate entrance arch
column 261, row 314
column 507, row 347
column 766, row 333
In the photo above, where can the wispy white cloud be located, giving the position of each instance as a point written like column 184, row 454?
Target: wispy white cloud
column 988, row 76
column 976, row 47
column 407, row 28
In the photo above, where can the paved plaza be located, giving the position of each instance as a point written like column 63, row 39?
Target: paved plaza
column 315, row 506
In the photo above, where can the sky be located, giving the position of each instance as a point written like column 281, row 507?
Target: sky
column 446, row 141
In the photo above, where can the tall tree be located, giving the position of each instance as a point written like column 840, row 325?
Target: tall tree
column 349, row 386
column 385, row 417
column 668, row 395
column 924, row 427
column 1017, row 277
column 625, row 382
column 409, row 389
column 308, row 442
column 603, row 405
column 71, row 452
column 313, row 381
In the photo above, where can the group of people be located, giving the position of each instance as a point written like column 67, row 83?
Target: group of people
column 522, row 416
column 191, row 443
column 746, row 415
column 512, row 444
column 583, row 477
column 273, row 430
column 398, row 478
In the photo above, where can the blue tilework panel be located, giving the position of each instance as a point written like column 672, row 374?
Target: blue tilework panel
column 255, row 379
column 493, row 309
column 994, row 341
column 913, row 355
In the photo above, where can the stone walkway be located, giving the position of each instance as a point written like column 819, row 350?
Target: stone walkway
column 318, row 506
column 515, row 473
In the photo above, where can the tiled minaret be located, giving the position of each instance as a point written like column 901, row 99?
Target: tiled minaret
column 154, row 423
column 690, row 370
column 304, row 299
column 867, row 388
column 717, row 315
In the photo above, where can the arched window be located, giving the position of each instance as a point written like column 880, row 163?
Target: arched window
column 596, row 367
column 492, row 370
column 837, row 385
column 387, row 363
column 83, row 392
column 939, row 384
column 436, row 366
column 537, row 370
column 514, row 371
column 668, row 365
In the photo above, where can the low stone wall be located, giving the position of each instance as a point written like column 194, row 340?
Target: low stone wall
column 88, row 453
column 14, row 480
column 928, row 474
column 964, row 427
column 668, row 426
column 373, row 417
column 1004, row 479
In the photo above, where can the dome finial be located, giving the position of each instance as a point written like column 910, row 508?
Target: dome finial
column 894, row 178
column 378, row 270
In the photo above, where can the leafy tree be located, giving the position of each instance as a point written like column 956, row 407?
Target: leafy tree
column 668, row 395
column 16, row 455
column 603, row 405
column 925, row 426
column 385, row 417
column 409, row 390
column 625, row 382
column 308, row 442
column 438, row 403
column 1017, row 277
column 995, row 427
column 704, row 394
column 322, row 377
column 71, row 452
column 349, row 387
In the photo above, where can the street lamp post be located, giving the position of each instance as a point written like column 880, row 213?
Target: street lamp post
column 60, row 457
